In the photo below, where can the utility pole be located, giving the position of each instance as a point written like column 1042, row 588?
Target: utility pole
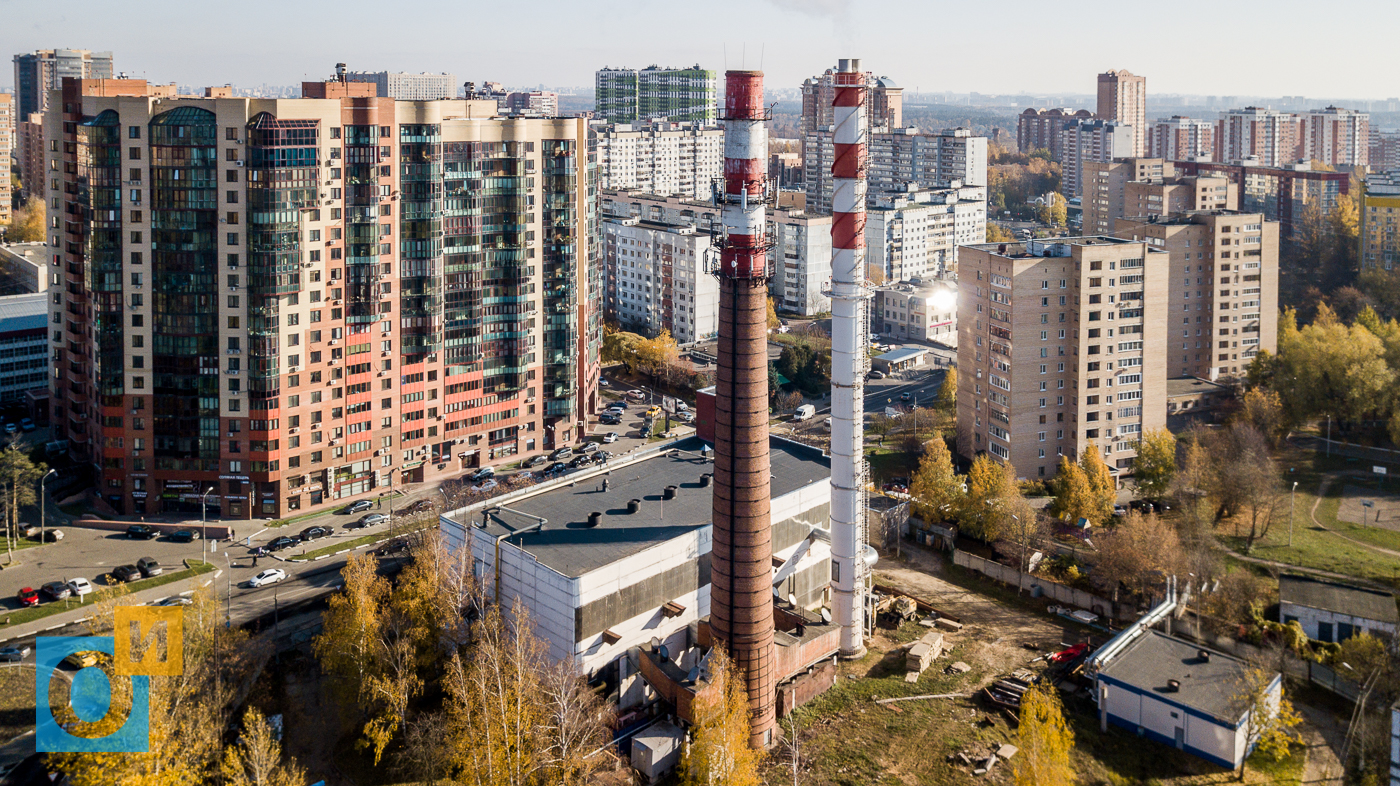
column 1292, row 496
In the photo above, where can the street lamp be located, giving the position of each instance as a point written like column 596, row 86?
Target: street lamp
column 43, row 501
column 1020, row 574
column 1292, row 495
column 203, row 520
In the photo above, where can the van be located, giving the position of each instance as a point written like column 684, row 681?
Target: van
column 804, row 412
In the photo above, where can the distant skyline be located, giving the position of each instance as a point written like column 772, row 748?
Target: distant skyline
column 1200, row 48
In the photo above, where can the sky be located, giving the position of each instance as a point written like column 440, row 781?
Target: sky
column 1214, row 47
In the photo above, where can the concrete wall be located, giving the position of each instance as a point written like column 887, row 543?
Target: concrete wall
column 1312, row 619
column 1053, row 591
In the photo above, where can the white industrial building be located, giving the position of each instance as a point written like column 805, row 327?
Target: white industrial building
column 1333, row 612
column 609, row 559
column 668, row 159
column 656, row 279
column 915, row 232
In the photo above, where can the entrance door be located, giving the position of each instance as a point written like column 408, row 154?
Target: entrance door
column 1180, row 738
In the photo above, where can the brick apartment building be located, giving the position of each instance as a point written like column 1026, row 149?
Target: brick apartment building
column 297, row 302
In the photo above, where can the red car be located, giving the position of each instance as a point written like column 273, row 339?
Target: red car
column 1065, row 656
column 28, row 597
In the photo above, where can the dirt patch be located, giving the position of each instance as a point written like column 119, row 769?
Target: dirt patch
column 1385, row 506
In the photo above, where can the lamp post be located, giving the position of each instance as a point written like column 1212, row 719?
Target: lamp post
column 43, row 502
column 228, row 593
column 1292, row 495
column 1021, row 573
column 203, row 520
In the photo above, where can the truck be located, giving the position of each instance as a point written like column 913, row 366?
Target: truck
column 804, row 412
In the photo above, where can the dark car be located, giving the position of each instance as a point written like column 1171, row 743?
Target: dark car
column 184, row 535
column 421, row 506
column 358, row 507
column 580, row 461
column 535, row 461
column 563, row 452
column 126, row 573
column 398, row 546
column 906, row 397
column 148, row 567
column 611, row 420
column 312, row 533
column 280, row 543
column 28, row 597
column 554, row 469
column 13, row 654
column 140, row 532
column 56, row 590
column 26, row 424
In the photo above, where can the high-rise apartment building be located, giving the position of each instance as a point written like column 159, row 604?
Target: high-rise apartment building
column 29, row 154
column 1273, row 138
column 1148, row 186
column 39, row 72
column 1223, row 288
column 626, row 95
column 680, row 159
column 1380, row 221
column 916, row 233
column 1384, row 155
column 1086, row 141
column 1061, row 345
column 298, row 302
column 951, row 158
column 1337, row 137
column 1123, row 98
column 539, row 103
column 884, row 103
column 1178, row 138
column 1039, row 129
column 402, row 86
column 7, row 148
column 1280, row 193
column 657, row 278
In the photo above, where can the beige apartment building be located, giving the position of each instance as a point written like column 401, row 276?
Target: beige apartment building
column 1380, row 221
column 1148, row 186
column 1123, row 97
column 7, row 146
column 1061, row 345
column 1223, row 305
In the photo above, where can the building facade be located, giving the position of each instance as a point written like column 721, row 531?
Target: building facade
column 915, row 233
column 1384, row 155
column 1337, row 137
column 7, row 149
column 1281, row 194
column 538, row 103
column 1179, row 138
column 402, row 86
column 1272, row 138
column 302, row 301
column 896, row 160
column 39, row 72
column 24, row 345
column 1087, row 141
column 679, row 95
column 1223, row 293
column 1123, row 99
column 1039, row 129
column 1061, row 345
column 884, row 102
column 29, row 154
column 668, row 159
column 926, row 311
column 656, row 279
column 1148, row 186
column 1380, row 221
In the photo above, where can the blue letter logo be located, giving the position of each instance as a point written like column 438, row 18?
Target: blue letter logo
column 90, row 696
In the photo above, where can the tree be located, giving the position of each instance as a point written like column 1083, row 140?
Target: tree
column 654, row 354
column 1154, row 468
column 718, row 751
column 947, row 401
column 1103, row 492
column 352, row 627
column 256, row 760
column 576, row 725
column 1136, row 551
column 1045, row 740
column 935, row 488
column 1246, row 481
column 881, row 425
column 27, row 223
column 1268, row 720
column 1059, row 209
column 620, row 347
column 18, row 478
column 996, row 234
column 773, row 322
column 1263, row 409
column 875, row 274
column 1191, row 489
column 789, row 401
column 986, row 513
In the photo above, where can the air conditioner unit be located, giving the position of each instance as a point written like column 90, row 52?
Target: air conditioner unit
column 294, row 431
column 335, row 341
column 378, row 452
column 332, row 363
column 335, row 302
column 239, row 162
column 384, row 354
column 315, row 425
column 335, row 442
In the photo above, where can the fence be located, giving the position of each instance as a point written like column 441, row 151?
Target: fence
column 1067, row 595
column 1325, row 677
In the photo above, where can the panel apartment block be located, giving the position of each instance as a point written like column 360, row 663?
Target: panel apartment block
column 656, row 279
column 1178, row 137
column 1084, row 142
column 7, row 148
column 682, row 95
column 1380, row 221
column 916, row 233
column 1148, row 186
column 1039, row 129
column 1272, row 138
column 297, row 302
column 953, row 157
column 1223, row 305
column 1123, row 98
column 667, row 159
column 402, row 86
column 1060, row 346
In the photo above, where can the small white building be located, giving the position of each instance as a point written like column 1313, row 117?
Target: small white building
column 1179, row 694
column 656, row 279
column 920, row 311
column 1334, row 612
column 915, row 232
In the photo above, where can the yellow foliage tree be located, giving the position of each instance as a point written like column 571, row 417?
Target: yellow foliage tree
column 27, row 223
column 352, row 627
column 991, row 490
column 1102, row 488
column 719, row 752
column 256, row 760
column 947, row 401
column 1046, row 741
column 1073, row 497
column 936, row 488
column 1154, row 467
column 1268, row 727
column 773, row 322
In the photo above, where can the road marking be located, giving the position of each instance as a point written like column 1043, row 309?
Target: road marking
column 259, row 532
column 218, row 573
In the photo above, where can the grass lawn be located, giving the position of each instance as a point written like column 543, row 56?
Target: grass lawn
column 888, row 463
column 20, row 543
column 355, row 543
column 18, row 617
column 16, row 700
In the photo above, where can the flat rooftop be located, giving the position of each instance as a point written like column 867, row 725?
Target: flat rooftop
column 1191, row 386
column 1206, row 685
column 1027, row 249
column 567, row 544
column 1341, row 598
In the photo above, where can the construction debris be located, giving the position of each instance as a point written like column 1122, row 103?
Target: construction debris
column 925, row 696
column 958, row 667
column 1005, row 752
column 947, row 624
column 921, row 653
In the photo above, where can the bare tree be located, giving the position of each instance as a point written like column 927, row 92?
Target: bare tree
column 1247, row 482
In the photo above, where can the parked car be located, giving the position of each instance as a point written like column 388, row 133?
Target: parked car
column 11, row 429
column 56, row 590
column 125, row 573
column 619, row 405
column 827, row 424
column 535, row 461
column 29, row 530
column 26, row 424
column 686, row 417
column 173, row 600
column 636, row 395
column 149, row 567
column 13, row 654
column 560, row 453
column 419, row 506
column 280, row 543
column 269, row 576
column 140, row 532
column 184, row 535
column 603, row 383
column 53, row 535
column 84, row 659
column 312, row 533
column 369, row 520
column 610, row 418
column 554, row 469
column 28, row 597
column 359, row 506
column 483, row 474
column 396, row 546
column 578, row 461
column 589, row 447
column 654, row 412
column 611, row 436
column 80, row 586
column 601, row 457
column 489, row 485
column 875, row 375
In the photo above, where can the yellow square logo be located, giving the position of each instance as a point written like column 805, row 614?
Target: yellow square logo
column 149, row 640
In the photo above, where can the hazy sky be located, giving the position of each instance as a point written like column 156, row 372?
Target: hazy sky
column 1209, row 47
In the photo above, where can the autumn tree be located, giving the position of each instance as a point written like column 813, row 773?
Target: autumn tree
column 1154, row 467
column 1191, row 489
column 1246, row 482
column 1045, row 740
column 1059, row 209
column 621, row 347
column 352, row 626
column 256, row 759
column 947, row 401
column 1136, row 552
column 1263, row 409
column 19, row 478
column 718, row 751
column 773, row 322
column 1103, row 491
column 1268, row 719
column 936, row 489
column 1073, row 498
column 991, row 488
column 27, row 223
column 576, row 724
column 996, row 234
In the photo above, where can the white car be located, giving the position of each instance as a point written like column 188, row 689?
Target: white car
column 269, row 576
column 603, row 383
column 80, row 587
column 611, row 436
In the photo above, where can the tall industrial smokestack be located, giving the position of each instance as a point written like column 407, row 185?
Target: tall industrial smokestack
column 850, row 333
column 741, row 562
